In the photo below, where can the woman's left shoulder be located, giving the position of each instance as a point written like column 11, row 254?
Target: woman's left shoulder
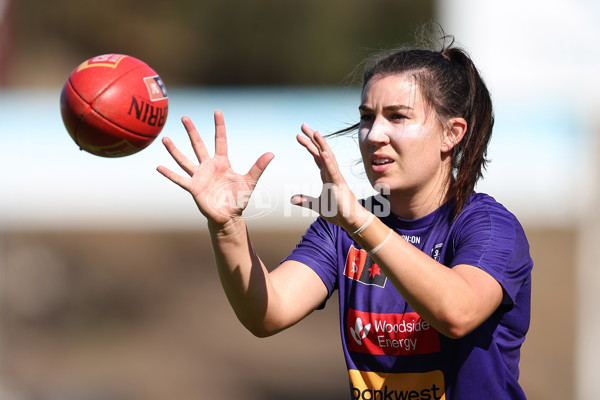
column 484, row 203
column 484, row 210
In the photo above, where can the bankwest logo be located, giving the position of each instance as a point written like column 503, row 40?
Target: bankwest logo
column 390, row 334
column 361, row 268
column 367, row 385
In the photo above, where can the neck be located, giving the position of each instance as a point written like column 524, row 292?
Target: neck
column 411, row 206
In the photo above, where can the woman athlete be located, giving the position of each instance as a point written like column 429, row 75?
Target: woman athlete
column 435, row 292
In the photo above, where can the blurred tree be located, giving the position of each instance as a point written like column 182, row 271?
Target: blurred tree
column 213, row 42
column 6, row 37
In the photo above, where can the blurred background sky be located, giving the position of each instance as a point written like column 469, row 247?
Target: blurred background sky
column 270, row 66
column 273, row 65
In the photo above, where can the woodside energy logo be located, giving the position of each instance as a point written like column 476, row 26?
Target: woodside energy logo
column 390, row 334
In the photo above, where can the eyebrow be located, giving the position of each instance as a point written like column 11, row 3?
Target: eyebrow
column 394, row 107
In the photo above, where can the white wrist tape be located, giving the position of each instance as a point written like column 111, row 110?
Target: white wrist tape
column 365, row 225
column 380, row 245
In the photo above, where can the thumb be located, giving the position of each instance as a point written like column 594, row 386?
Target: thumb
column 312, row 203
column 260, row 165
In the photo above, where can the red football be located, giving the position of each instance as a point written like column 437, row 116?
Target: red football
column 114, row 105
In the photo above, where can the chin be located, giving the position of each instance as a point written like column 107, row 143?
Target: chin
column 382, row 186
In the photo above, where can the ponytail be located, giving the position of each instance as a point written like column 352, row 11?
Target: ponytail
column 469, row 158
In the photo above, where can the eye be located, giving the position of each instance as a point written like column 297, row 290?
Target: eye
column 396, row 117
column 366, row 117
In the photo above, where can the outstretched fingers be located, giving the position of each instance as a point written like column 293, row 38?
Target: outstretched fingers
column 322, row 153
column 308, row 145
column 198, row 144
column 195, row 139
column 185, row 163
column 307, row 140
column 179, row 180
column 220, row 135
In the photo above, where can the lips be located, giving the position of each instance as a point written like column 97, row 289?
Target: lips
column 380, row 162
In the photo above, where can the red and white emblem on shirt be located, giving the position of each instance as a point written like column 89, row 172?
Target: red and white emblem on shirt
column 361, row 268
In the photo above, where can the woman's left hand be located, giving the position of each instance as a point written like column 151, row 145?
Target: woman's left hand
column 336, row 203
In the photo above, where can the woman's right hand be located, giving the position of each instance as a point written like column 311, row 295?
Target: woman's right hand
column 220, row 193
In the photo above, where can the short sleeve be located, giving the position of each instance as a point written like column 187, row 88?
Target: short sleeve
column 318, row 250
column 491, row 238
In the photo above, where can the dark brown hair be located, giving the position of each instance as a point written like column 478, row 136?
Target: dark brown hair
column 451, row 84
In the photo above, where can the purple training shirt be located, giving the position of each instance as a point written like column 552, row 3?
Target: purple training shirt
column 390, row 351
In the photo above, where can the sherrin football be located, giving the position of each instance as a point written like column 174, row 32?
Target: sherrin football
column 114, row 105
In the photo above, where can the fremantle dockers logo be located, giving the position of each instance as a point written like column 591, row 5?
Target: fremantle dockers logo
column 361, row 268
column 437, row 251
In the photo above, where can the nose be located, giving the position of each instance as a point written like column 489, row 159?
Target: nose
column 377, row 134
